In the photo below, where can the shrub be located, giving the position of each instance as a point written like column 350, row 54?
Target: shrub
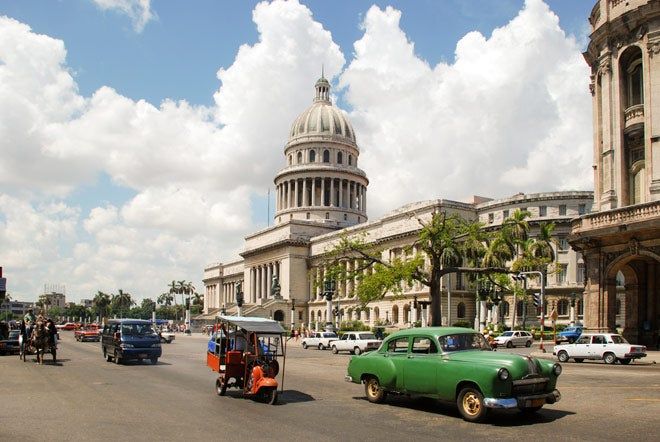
column 465, row 324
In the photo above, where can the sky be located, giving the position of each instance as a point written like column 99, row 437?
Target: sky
column 139, row 139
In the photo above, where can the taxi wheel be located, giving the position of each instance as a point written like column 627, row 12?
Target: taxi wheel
column 334, row 350
column 304, row 345
column 220, row 387
column 357, row 351
column 321, row 347
column 509, row 344
column 374, row 391
column 471, row 405
column 562, row 356
column 528, row 344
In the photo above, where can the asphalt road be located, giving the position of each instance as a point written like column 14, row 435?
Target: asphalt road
column 85, row 398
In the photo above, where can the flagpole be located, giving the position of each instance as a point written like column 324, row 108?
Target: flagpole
column 268, row 214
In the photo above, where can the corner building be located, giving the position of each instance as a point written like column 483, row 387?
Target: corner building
column 620, row 242
column 321, row 194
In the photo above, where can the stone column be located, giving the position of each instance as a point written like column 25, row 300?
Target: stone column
column 269, row 278
column 296, row 193
column 364, row 200
column 332, row 192
column 264, row 282
column 341, row 193
column 305, row 202
column 323, row 192
column 313, row 191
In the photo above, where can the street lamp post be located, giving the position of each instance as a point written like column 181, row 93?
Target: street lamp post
column 328, row 292
column 522, row 276
column 293, row 313
column 223, row 310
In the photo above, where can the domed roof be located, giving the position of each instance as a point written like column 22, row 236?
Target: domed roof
column 322, row 118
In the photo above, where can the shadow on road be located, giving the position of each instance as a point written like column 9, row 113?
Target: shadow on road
column 499, row 418
column 294, row 397
column 59, row 363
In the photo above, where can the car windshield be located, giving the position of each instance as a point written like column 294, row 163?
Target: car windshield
column 366, row 336
column 617, row 339
column 137, row 329
column 464, row 341
column 507, row 334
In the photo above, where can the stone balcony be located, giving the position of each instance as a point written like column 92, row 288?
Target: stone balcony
column 633, row 115
column 616, row 218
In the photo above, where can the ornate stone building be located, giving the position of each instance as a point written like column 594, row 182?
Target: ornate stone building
column 322, row 195
column 620, row 242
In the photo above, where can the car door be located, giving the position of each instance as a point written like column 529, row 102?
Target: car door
column 397, row 353
column 598, row 346
column 581, row 348
column 420, row 367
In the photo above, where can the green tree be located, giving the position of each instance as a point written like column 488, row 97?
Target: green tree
column 121, row 303
column 445, row 243
column 166, row 298
column 148, row 305
column 101, row 304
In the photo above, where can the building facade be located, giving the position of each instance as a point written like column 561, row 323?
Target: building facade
column 620, row 241
column 322, row 196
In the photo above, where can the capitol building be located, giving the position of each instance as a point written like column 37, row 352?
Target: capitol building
column 321, row 196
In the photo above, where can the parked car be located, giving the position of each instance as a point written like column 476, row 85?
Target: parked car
column 570, row 334
column 67, row 326
column 355, row 342
column 124, row 339
column 609, row 347
column 10, row 345
column 514, row 338
column 455, row 364
column 320, row 340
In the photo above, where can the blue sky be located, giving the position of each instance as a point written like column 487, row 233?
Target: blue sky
column 103, row 172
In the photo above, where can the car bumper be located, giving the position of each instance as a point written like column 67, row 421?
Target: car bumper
column 634, row 355
column 523, row 401
column 140, row 353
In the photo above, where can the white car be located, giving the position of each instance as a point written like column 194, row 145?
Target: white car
column 355, row 342
column 320, row 340
column 514, row 338
column 609, row 347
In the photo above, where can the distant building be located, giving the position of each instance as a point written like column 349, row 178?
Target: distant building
column 17, row 308
column 87, row 303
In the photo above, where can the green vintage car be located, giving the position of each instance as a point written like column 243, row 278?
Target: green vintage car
column 455, row 364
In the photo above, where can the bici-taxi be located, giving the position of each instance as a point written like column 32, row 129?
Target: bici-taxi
column 245, row 351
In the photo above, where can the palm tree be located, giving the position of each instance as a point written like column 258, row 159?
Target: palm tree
column 174, row 289
column 542, row 247
column 166, row 299
column 122, row 301
column 102, row 301
column 516, row 227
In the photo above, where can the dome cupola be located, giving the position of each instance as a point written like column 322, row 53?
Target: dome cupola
column 321, row 181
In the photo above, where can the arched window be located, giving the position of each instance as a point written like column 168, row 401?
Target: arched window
column 395, row 314
column 519, row 308
column 326, row 156
column 376, row 313
column 312, row 156
column 367, row 314
column 340, row 158
column 299, row 158
column 350, row 160
column 406, row 313
column 290, row 160
column 562, row 307
column 460, row 310
column 617, row 307
column 580, row 308
column 279, row 315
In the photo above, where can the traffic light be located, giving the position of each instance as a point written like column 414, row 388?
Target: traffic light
column 537, row 299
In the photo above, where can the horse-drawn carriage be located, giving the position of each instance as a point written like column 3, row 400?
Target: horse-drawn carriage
column 244, row 352
column 37, row 341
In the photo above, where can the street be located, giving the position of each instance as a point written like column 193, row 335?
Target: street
column 84, row 397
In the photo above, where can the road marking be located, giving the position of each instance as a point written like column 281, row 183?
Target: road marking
column 645, row 399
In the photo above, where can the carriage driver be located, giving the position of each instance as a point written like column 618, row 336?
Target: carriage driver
column 29, row 317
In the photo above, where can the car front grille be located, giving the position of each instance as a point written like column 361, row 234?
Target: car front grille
column 529, row 386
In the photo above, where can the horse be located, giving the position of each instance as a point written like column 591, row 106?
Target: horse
column 40, row 341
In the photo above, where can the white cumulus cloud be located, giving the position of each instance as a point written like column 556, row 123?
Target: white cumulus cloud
column 511, row 113
column 139, row 11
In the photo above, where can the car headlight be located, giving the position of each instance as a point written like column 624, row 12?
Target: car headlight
column 556, row 369
column 126, row 346
column 503, row 374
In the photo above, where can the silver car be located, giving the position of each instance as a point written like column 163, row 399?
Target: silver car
column 514, row 338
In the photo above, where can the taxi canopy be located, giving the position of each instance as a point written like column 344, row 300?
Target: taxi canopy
column 253, row 324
